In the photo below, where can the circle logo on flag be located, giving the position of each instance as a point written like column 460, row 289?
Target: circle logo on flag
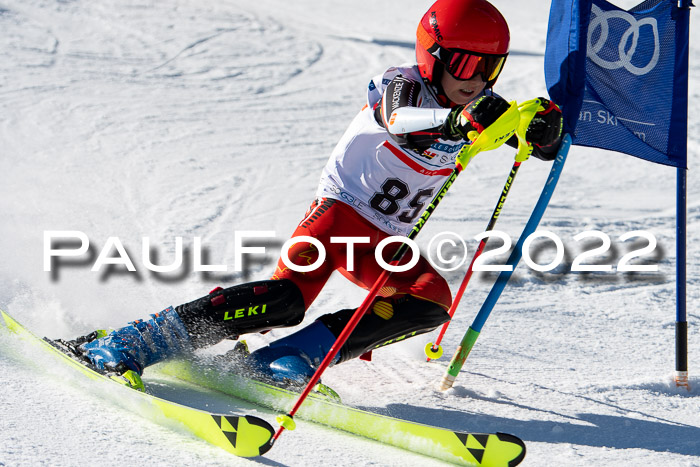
column 600, row 22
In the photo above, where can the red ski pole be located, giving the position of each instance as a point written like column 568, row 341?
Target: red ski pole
column 434, row 350
column 527, row 110
column 492, row 137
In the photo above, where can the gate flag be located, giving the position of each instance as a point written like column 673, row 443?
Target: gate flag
column 621, row 77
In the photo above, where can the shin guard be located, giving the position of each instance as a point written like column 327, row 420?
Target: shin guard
column 242, row 309
column 390, row 320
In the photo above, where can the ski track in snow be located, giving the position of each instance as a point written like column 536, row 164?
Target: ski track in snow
column 187, row 119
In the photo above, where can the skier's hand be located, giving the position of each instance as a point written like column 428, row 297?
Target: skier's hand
column 545, row 128
column 475, row 116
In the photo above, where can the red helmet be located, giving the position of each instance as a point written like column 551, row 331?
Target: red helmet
column 468, row 37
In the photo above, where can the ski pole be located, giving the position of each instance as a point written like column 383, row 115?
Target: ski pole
column 527, row 111
column 469, row 338
column 433, row 350
column 491, row 138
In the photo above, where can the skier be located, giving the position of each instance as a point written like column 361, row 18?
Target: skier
column 375, row 185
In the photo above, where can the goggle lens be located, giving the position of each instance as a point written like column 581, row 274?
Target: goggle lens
column 466, row 65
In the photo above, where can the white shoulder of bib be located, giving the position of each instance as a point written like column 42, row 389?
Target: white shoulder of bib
column 409, row 119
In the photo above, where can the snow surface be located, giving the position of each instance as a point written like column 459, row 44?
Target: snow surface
column 189, row 119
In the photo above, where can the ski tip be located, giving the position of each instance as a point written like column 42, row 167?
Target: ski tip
column 508, row 438
column 5, row 316
column 267, row 438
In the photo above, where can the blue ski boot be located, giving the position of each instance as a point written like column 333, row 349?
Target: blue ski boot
column 134, row 347
column 292, row 360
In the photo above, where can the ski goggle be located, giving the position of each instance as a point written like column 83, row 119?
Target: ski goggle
column 464, row 65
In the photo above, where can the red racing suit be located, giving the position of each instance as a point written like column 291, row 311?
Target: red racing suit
column 376, row 184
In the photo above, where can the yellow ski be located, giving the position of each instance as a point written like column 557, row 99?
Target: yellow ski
column 245, row 436
column 485, row 449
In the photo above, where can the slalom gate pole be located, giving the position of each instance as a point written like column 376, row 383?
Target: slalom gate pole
column 527, row 111
column 470, row 337
column 681, row 375
column 433, row 350
column 491, row 138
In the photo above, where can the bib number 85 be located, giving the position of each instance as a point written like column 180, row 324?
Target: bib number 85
column 395, row 190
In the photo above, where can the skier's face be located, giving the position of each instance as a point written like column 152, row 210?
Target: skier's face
column 462, row 91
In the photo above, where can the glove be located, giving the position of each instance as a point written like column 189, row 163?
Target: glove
column 475, row 116
column 545, row 129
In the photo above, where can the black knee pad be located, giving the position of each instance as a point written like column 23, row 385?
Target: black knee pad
column 390, row 320
column 242, row 309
